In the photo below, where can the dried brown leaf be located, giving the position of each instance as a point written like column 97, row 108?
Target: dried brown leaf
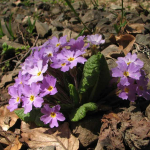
column 7, row 118
column 135, row 28
column 125, row 42
column 5, row 79
column 16, row 145
column 62, row 139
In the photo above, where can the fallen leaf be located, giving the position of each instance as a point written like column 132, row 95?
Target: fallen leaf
column 16, row 145
column 125, row 42
column 135, row 28
column 5, row 79
column 7, row 118
column 62, row 139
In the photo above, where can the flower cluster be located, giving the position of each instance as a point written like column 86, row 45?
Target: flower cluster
column 34, row 80
column 132, row 78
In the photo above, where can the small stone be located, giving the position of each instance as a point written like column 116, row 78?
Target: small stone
column 56, row 10
column 42, row 28
column 70, row 34
column 91, row 15
column 143, row 39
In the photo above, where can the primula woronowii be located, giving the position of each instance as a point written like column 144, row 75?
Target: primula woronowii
column 73, row 57
column 37, row 72
column 129, row 58
column 48, row 86
column 141, row 86
column 78, row 44
column 31, row 96
column 51, row 115
column 125, row 71
column 22, row 79
column 132, row 78
column 59, row 43
column 95, row 39
column 49, row 52
column 62, row 64
column 128, row 92
column 15, row 99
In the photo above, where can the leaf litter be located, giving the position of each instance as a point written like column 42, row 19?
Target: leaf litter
column 126, row 127
column 60, row 137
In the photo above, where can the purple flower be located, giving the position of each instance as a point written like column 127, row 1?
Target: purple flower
column 95, row 39
column 129, row 58
column 78, row 44
column 128, row 92
column 64, row 65
column 142, row 86
column 72, row 57
column 31, row 97
column 48, row 86
column 49, row 52
column 37, row 72
column 22, row 79
column 27, row 65
column 124, row 71
column 59, row 43
column 51, row 115
column 15, row 97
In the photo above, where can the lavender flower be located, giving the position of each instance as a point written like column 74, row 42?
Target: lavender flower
column 51, row 115
column 73, row 57
column 78, row 44
column 15, row 97
column 124, row 71
column 59, row 43
column 128, row 92
column 31, row 97
column 22, row 79
column 95, row 39
column 129, row 58
column 63, row 64
column 37, row 72
column 48, row 86
column 141, row 88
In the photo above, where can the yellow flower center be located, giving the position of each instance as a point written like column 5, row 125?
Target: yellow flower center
column 70, row 59
column 53, row 115
column 50, row 88
column 126, row 73
column 64, row 64
column 94, row 47
column 39, row 73
column 17, row 99
column 21, row 82
column 126, row 90
column 128, row 63
column 57, row 44
column 141, row 88
column 50, row 55
column 32, row 98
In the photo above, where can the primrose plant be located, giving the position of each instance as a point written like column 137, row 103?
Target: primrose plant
column 132, row 80
column 56, row 77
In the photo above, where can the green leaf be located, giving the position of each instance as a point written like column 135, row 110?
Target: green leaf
column 74, row 94
column 95, row 78
column 80, row 113
column 33, row 116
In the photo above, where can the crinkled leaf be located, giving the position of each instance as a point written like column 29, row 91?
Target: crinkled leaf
column 74, row 94
column 33, row 116
column 95, row 77
column 80, row 113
